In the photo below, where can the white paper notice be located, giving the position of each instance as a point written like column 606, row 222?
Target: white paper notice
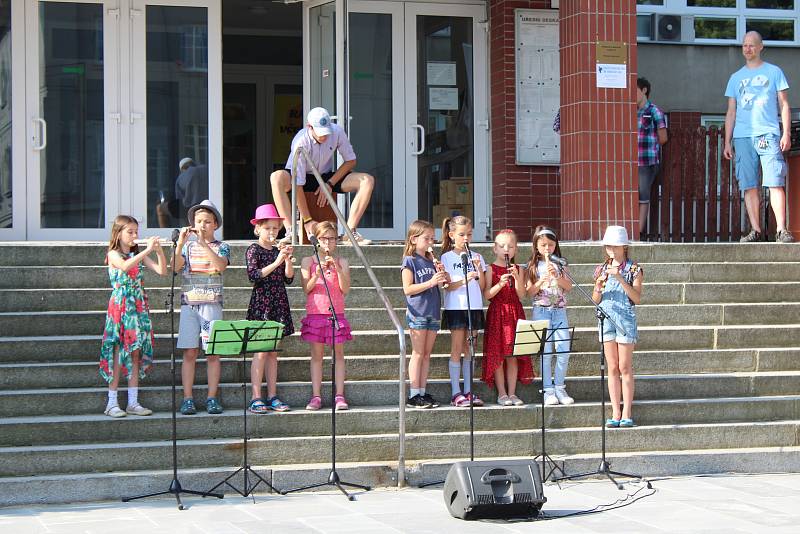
column 443, row 98
column 441, row 73
column 612, row 75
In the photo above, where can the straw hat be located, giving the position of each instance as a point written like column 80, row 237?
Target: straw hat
column 616, row 236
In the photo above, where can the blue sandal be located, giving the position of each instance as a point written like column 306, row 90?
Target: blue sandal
column 277, row 405
column 612, row 423
column 626, row 423
column 257, row 406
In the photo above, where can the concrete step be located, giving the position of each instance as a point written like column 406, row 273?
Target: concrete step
column 96, row 276
column 86, row 400
column 667, row 315
column 37, row 300
column 77, row 374
column 152, row 455
column 92, row 487
column 87, row 253
column 43, row 348
column 62, row 430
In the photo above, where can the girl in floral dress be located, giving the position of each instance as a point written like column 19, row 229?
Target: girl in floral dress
column 270, row 270
column 127, row 348
column 504, row 290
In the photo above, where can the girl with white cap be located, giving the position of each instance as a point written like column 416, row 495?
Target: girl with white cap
column 618, row 289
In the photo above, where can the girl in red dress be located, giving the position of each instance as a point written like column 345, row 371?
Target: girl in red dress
column 505, row 289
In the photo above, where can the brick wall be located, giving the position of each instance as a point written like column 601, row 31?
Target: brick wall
column 523, row 196
column 599, row 183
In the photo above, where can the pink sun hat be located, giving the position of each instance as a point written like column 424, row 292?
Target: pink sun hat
column 265, row 211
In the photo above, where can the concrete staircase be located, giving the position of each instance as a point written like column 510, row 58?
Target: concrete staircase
column 718, row 381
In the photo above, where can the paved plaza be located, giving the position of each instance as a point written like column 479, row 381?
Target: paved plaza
column 706, row 504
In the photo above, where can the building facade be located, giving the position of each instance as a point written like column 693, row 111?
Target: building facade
column 445, row 102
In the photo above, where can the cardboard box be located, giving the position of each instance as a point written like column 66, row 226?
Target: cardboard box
column 457, row 190
column 440, row 211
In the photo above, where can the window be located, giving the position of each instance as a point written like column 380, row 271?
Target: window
column 715, row 28
column 711, row 3
column 770, row 4
column 650, row 2
column 772, row 29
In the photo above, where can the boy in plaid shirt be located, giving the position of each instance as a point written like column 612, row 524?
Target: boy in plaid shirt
column 652, row 134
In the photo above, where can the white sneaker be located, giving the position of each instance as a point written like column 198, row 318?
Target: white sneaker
column 360, row 239
column 562, row 395
column 114, row 411
column 550, row 398
column 138, row 409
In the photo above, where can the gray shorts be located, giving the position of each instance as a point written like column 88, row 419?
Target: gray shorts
column 195, row 325
column 647, row 175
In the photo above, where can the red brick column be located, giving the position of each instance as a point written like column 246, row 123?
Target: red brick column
column 599, row 181
column 523, row 196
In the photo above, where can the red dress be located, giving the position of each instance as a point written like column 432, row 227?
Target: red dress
column 498, row 338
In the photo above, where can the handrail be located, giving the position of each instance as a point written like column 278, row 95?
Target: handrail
column 401, row 456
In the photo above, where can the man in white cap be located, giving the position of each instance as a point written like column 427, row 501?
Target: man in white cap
column 191, row 188
column 322, row 139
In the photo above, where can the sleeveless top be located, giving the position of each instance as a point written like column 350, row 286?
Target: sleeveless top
column 317, row 300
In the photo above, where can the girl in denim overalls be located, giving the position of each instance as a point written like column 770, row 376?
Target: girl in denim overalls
column 618, row 289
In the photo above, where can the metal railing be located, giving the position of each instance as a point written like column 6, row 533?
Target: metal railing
column 401, row 455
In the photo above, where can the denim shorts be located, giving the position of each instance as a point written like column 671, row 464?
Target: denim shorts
column 763, row 151
column 423, row 323
column 627, row 321
column 457, row 320
column 647, row 175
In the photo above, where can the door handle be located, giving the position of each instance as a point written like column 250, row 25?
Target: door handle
column 42, row 134
column 136, row 116
column 421, row 143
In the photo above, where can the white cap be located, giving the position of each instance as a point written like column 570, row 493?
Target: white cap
column 616, row 236
column 320, row 121
column 184, row 162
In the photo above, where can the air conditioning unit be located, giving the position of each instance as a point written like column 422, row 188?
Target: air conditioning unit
column 674, row 28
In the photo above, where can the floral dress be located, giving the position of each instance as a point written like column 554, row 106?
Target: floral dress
column 269, row 301
column 128, row 323
column 501, row 325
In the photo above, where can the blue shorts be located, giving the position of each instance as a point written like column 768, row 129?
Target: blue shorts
column 627, row 321
column 422, row 323
column 763, row 151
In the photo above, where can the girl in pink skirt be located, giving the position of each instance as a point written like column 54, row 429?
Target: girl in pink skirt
column 316, row 325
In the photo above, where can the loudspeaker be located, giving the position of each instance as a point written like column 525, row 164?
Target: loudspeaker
column 494, row 489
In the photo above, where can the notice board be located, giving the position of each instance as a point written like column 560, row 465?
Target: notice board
column 537, row 86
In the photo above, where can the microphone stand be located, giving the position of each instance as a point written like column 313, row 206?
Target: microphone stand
column 471, row 344
column 333, row 476
column 604, row 469
column 175, row 487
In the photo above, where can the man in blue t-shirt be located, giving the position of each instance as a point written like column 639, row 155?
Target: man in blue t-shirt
column 756, row 94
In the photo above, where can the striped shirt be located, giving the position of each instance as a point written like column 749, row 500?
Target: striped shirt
column 650, row 120
column 202, row 283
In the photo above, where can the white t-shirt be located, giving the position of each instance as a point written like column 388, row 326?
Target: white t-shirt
column 322, row 154
column 457, row 299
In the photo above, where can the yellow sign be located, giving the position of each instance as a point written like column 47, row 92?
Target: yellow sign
column 612, row 52
column 288, row 120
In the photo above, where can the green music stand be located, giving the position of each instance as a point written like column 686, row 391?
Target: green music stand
column 230, row 338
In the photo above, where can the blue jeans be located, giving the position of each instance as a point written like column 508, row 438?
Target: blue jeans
column 559, row 334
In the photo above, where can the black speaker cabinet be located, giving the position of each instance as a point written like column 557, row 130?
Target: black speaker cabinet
column 494, row 489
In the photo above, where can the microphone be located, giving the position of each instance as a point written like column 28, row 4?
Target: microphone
column 559, row 260
column 175, row 234
column 466, row 246
column 464, row 263
column 313, row 240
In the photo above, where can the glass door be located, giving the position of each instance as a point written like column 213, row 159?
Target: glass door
column 447, row 114
column 175, row 114
column 69, row 147
column 375, row 107
column 12, row 120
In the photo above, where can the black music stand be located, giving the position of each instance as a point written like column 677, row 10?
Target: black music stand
column 243, row 337
column 531, row 338
column 175, row 487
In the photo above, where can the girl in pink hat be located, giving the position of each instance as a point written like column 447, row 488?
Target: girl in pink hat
column 270, row 270
column 618, row 289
